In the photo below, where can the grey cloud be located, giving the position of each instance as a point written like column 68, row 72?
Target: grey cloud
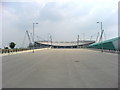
column 63, row 21
column 50, row 12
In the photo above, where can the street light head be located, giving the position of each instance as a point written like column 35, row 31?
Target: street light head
column 36, row 23
column 97, row 22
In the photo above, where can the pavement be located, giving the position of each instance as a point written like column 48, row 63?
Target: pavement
column 60, row 68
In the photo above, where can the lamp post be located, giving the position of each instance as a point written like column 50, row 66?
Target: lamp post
column 51, row 40
column 33, row 36
column 101, row 36
column 78, row 41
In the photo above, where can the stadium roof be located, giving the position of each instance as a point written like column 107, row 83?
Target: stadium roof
column 65, row 43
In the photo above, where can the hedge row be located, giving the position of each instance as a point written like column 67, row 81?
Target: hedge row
column 11, row 50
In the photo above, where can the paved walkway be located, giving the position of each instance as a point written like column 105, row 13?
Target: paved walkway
column 60, row 68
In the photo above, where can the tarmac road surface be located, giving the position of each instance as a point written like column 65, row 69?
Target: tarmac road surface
column 60, row 68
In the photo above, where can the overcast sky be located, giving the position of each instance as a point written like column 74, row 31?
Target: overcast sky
column 63, row 19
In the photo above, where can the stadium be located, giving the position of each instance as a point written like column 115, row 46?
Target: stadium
column 73, row 44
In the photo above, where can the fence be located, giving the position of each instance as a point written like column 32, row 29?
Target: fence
column 12, row 50
column 104, row 50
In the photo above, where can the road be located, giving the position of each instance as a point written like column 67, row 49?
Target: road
column 60, row 68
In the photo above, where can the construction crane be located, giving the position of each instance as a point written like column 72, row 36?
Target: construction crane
column 101, row 36
column 91, row 38
column 104, row 36
column 97, row 37
column 30, row 43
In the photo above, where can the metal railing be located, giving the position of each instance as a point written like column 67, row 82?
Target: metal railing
column 106, row 50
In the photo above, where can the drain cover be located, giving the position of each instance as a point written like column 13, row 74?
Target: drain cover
column 76, row 61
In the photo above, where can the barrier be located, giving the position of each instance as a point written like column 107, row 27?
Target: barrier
column 2, row 51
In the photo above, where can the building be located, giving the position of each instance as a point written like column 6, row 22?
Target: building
column 74, row 44
column 111, row 44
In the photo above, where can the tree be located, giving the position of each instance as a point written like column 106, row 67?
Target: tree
column 6, row 48
column 12, row 45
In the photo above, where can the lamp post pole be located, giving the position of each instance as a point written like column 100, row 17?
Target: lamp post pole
column 101, row 36
column 33, row 36
column 78, row 41
column 51, row 40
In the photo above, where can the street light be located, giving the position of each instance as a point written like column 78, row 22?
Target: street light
column 78, row 41
column 51, row 40
column 33, row 36
column 101, row 36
